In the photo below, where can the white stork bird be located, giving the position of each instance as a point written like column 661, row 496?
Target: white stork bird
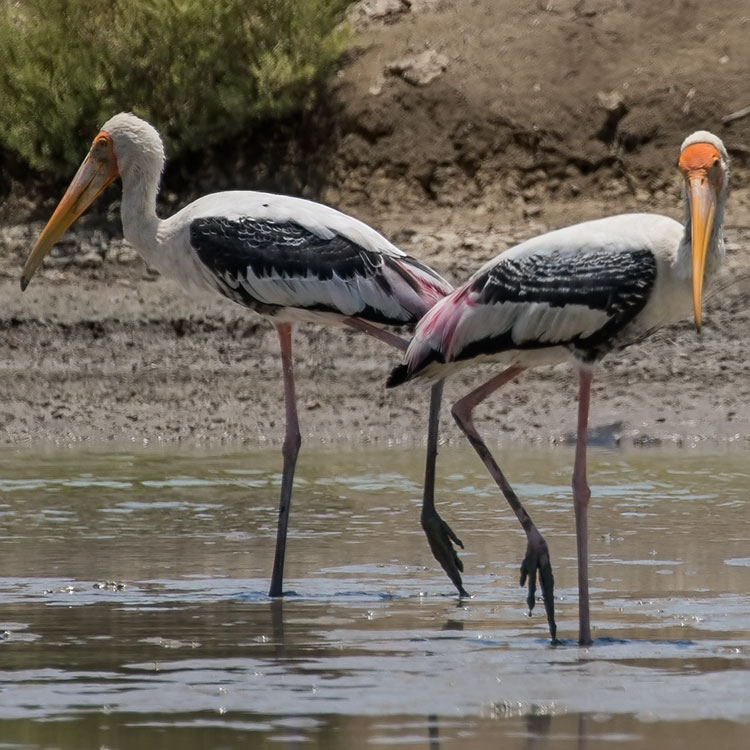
column 291, row 260
column 574, row 295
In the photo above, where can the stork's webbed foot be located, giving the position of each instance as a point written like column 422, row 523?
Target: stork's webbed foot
column 441, row 538
column 537, row 561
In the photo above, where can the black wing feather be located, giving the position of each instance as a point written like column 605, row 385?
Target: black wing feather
column 282, row 248
column 611, row 282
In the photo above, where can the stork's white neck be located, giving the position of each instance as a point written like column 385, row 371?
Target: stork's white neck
column 140, row 224
column 139, row 152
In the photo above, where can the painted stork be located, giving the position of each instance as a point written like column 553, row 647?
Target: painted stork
column 289, row 259
column 574, row 295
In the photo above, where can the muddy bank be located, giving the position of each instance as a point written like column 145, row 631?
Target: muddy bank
column 107, row 351
column 457, row 129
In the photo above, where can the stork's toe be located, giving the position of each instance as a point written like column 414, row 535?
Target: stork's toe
column 537, row 562
column 441, row 538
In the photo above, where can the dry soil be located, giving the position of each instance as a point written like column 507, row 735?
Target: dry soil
column 457, row 129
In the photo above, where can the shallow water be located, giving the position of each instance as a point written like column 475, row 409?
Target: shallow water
column 133, row 608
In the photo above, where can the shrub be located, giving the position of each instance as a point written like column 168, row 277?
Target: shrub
column 199, row 70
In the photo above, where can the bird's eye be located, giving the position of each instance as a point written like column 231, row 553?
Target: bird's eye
column 717, row 162
column 101, row 142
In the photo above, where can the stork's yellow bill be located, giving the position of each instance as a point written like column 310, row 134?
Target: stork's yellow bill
column 701, row 166
column 98, row 169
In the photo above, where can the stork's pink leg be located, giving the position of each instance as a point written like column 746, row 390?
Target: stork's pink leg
column 537, row 558
column 392, row 339
column 581, row 496
column 290, row 450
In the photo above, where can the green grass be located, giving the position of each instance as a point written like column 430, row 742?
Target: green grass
column 202, row 71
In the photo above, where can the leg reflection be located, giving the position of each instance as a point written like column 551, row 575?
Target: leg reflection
column 433, row 732
column 277, row 625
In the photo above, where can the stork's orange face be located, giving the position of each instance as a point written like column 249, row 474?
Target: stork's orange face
column 702, row 169
column 98, row 169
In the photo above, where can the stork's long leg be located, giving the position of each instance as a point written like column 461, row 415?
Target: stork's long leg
column 581, row 496
column 290, row 450
column 537, row 553
column 440, row 535
column 392, row 339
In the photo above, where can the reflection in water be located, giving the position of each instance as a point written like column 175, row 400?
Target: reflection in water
column 538, row 729
column 133, row 607
column 433, row 731
column 277, row 624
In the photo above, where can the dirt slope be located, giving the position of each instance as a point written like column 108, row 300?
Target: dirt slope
column 554, row 100
column 536, row 114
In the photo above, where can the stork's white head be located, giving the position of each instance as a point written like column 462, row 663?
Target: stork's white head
column 705, row 151
column 135, row 144
column 706, row 136
column 126, row 145
column 704, row 164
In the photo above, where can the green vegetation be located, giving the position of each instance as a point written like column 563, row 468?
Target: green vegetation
column 200, row 70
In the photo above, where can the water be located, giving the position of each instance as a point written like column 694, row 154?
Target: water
column 133, row 608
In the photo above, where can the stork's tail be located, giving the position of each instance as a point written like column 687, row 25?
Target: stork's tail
column 426, row 356
column 431, row 366
column 399, row 375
